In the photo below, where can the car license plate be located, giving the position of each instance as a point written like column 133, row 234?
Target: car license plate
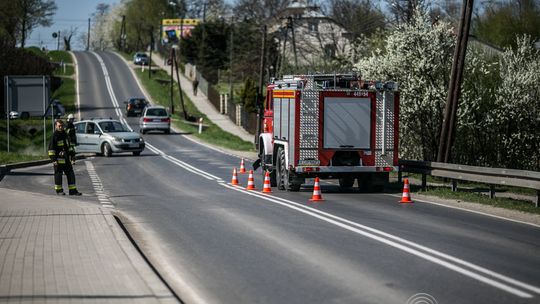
column 133, row 145
column 157, row 120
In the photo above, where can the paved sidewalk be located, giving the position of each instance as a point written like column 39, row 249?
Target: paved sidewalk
column 204, row 105
column 58, row 249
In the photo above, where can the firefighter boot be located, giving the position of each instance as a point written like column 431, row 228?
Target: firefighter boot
column 73, row 190
column 59, row 190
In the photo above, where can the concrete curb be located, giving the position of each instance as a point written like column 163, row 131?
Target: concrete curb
column 6, row 169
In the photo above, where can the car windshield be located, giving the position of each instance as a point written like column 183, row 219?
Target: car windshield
column 138, row 102
column 156, row 112
column 141, row 55
column 112, row 126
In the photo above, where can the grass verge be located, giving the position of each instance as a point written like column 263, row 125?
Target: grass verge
column 26, row 136
column 471, row 195
column 25, row 140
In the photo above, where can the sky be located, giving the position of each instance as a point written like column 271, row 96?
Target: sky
column 69, row 13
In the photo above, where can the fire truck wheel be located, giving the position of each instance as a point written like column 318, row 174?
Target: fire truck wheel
column 346, row 182
column 281, row 177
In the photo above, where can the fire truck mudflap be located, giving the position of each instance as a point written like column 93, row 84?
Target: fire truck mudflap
column 330, row 126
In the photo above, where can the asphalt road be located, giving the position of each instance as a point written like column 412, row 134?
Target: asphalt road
column 215, row 243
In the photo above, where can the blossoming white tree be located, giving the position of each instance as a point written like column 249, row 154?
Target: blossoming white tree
column 499, row 111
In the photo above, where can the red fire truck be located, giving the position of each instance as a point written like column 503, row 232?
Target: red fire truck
column 332, row 127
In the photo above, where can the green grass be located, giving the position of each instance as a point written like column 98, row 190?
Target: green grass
column 11, row 158
column 468, row 195
column 472, row 185
column 25, row 140
column 66, row 94
column 58, row 56
column 158, row 88
column 70, row 70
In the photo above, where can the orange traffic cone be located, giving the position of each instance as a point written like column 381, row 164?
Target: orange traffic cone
column 251, row 183
column 406, row 197
column 316, row 191
column 267, row 188
column 234, row 180
column 242, row 167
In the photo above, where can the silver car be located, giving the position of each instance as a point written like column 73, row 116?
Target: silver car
column 155, row 118
column 106, row 136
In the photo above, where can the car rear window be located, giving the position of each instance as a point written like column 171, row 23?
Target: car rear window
column 112, row 126
column 156, row 112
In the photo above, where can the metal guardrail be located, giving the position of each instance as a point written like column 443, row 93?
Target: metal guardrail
column 490, row 176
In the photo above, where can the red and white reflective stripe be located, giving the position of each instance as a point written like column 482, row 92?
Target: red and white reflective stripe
column 234, row 180
column 267, row 188
column 251, row 182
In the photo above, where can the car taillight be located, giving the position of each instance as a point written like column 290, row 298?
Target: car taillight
column 147, row 119
column 166, row 120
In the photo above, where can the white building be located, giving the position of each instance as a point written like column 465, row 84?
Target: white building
column 318, row 40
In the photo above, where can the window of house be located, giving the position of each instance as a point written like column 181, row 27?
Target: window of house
column 313, row 26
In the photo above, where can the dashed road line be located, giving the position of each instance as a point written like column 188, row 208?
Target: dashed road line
column 103, row 198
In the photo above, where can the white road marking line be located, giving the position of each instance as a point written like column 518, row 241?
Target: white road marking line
column 345, row 223
column 182, row 164
column 77, row 87
column 392, row 241
column 102, row 197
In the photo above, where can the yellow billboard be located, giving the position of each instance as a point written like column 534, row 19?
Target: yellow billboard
column 172, row 29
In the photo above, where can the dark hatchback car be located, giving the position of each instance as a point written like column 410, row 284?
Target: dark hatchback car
column 140, row 59
column 135, row 106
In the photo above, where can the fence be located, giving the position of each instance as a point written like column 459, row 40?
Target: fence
column 490, row 176
column 224, row 105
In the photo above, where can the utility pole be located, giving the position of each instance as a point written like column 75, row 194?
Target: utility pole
column 446, row 139
column 151, row 48
column 260, row 90
column 279, row 71
column 88, row 37
column 180, row 88
column 171, row 54
column 231, row 47
column 291, row 26
column 123, row 33
column 58, row 41
column 203, row 40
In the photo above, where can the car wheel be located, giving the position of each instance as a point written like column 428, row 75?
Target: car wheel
column 168, row 131
column 107, row 151
column 136, row 153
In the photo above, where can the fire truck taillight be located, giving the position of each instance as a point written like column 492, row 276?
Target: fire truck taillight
column 311, row 169
column 388, row 169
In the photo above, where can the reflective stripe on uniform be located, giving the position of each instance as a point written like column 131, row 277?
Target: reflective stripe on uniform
column 72, row 187
column 61, row 161
column 60, row 143
column 58, row 187
column 52, row 152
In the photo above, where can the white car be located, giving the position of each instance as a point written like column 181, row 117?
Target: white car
column 14, row 115
column 155, row 118
column 106, row 136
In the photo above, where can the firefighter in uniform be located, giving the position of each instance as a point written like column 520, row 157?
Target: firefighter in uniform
column 62, row 155
column 70, row 130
